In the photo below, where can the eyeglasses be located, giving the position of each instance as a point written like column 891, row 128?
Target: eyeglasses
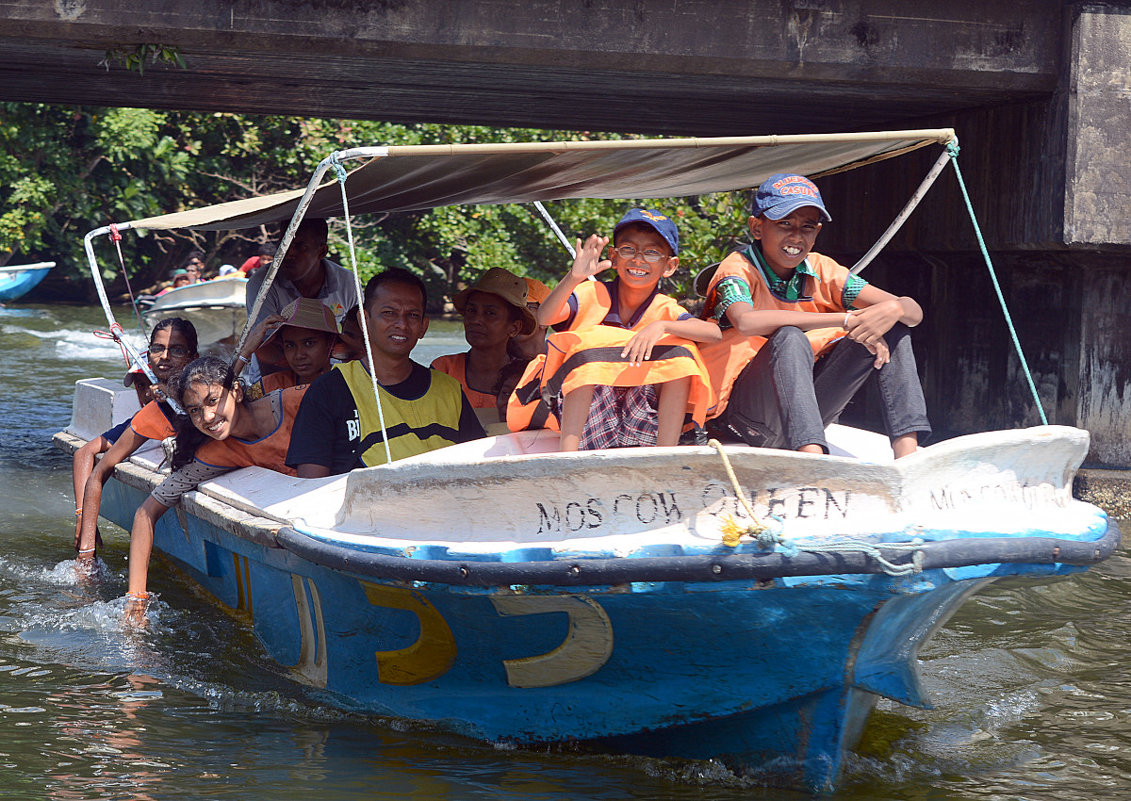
column 629, row 253
column 176, row 351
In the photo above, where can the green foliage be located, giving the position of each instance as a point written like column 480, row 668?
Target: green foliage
column 136, row 57
column 67, row 170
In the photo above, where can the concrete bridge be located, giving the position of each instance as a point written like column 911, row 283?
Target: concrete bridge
column 1039, row 91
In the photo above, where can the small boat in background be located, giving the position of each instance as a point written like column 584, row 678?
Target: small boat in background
column 216, row 308
column 18, row 280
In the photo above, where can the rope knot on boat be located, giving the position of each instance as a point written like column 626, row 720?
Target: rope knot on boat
column 768, row 536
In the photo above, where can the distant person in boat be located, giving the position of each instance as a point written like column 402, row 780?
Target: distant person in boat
column 350, row 343
column 180, row 278
column 338, row 427
column 263, row 256
column 527, row 346
column 302, row 336
column 172, row 345
column 621, row 363
column 194, row 266
column 225, row 431
column 805, row 333
column 494, row 313
column 305, row 273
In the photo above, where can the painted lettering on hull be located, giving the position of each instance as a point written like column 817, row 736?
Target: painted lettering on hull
column 585, row 649
column 434, row 651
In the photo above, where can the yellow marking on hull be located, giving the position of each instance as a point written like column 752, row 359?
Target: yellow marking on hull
column 586, row 648
column 243, row 584
column 434, row 651
column 311, row 663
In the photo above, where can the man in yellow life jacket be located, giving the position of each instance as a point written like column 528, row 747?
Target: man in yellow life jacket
column 338, row 427
column 802, row 333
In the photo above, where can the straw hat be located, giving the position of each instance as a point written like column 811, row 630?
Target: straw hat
column 302, row 313
column 507, row 286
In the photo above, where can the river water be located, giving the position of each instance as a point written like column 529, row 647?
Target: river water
column 1031, row 682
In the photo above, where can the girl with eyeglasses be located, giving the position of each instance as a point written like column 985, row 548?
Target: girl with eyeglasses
column 172, row 345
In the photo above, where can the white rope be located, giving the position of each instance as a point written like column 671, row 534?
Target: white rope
column 340, row 171
column 767, row 537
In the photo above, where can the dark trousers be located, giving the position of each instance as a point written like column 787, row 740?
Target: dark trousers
column 782, row 399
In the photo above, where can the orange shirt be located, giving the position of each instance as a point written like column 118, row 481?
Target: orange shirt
column 269, row 451
column 455, row 365
column 152, row 423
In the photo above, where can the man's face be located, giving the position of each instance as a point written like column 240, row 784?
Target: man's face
column 396, row 319
column 787, row 242
column 304, row 256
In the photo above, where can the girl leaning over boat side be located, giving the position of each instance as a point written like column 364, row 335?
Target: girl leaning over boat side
column 224, row 431
column 172, row 345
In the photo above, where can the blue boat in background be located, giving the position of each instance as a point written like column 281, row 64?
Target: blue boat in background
column 17, row 281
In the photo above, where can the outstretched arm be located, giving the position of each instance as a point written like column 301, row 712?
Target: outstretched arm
column 141, row 548
column 82, row 465
column 87, row 528
column 586, row 263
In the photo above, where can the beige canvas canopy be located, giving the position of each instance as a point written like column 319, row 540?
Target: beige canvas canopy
column 412, row 178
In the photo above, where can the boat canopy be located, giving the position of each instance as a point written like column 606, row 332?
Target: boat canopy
column 418, row 177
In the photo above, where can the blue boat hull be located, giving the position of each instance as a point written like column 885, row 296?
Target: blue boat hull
column 776, row 677
column 15, row 282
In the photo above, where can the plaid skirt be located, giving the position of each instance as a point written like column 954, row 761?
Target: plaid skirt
column 621, row 417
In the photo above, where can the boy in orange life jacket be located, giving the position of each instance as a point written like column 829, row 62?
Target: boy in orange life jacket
column 627, row 387
column 791, row 306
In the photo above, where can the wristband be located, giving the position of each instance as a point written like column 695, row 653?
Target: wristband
column 86, row 550
column 243, row 358
column 140, row 596
column 78, row 512
column 847, row 314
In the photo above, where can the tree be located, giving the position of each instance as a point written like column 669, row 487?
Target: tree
column 66, row 170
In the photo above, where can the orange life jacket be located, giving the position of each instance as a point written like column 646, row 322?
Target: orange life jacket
column 590, row 353
column 727, row 358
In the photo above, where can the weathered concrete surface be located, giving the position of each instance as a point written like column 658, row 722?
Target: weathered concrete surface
column 1097, row 209
column 687, row 66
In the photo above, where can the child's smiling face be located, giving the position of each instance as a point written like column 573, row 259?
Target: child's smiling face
column 788, row 241
column 638, row 271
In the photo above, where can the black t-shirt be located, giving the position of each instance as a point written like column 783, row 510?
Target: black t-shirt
column 327, row 428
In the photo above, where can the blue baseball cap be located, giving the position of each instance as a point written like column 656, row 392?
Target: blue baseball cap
column 784, row 193
column 655, row 220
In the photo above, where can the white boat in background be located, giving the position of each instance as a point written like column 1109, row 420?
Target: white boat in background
column 19, row 279
column 216, row 308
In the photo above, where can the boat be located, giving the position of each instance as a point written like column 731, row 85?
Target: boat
column 713, row 602
column 19, row 279
column 216, row 308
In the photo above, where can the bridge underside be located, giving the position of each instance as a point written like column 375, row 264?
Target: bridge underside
column 698, row 67
column 1036, row 90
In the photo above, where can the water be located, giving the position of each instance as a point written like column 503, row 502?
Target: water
column 1032, row 683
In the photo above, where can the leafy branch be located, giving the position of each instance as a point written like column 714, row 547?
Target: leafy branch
column 135, row 58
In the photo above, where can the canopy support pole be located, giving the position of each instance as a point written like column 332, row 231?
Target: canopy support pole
column 901, row 218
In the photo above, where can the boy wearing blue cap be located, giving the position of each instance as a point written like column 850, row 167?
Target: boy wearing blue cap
column 620, row 363
column 806, row 333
